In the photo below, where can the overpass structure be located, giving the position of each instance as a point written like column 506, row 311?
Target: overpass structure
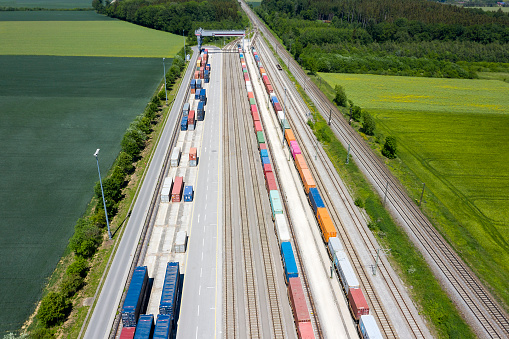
column 200, row 32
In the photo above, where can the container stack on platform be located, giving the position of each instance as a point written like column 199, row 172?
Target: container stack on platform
column 163, row 327
column 135, row 297
column 145, row 327
column 170, row 291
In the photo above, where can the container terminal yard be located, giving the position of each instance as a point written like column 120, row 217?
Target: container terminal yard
column 242, row 227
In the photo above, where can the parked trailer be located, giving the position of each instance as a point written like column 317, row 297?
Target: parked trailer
column 183, row 124
column 315, row 199
column 305, row 331
column 326, row 225
column 346, row 272
column 298, row 301
column 334, row 246
column 186, row 108
column 135, row 297
column 170, row 290
column 145, row 327
column 191, row 121
column 180, row 242
column 275, row 203
column 188, row 194
column 201, row 111
column 175, row 156
column 307, row 180
column 127, row 333
column 193, row 157
column 357, row 302
column 282, row 230
column 368, row 328
column 289, row 136
column 176, row 192
column 270, row 181
column 163, row 327
column 289, row 264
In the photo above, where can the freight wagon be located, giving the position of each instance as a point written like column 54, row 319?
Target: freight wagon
column 260, row 137
column 176, row 192
column 289, row 136
column 301, row 164
column 315, row 199
column 307, row 180
column 256, row 116
column 326, row 225
column 170, row 290
column 357, row 302
column 294, row 146
column 298, row 301
column 267, row 168
column 193, row 158
column 368, row 328
column 265, row 160
column 275, row 203
column 145, row 327
column 305, row 331
column 282, row 230
column 257, row 126
column 163, row 327
column 264, row 153
column 285, row 124
column 334, row 246
column 270, row 181
column 346, row 272
column 262, row 146
column 135, row 297
column 289, row 264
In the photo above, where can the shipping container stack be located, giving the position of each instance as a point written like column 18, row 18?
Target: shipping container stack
column 170, row 291
column 136, row 297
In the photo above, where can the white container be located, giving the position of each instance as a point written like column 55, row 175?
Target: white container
column 168, row 182
column 180, row 242
column 334, row 245
column 368, row 327
column 175, row 157
column 165, row 194
column 280, row 116
column 282, row 230
column 185, row 109
column 346, row 272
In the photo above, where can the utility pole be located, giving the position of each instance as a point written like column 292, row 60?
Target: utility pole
column 386, row 189
column 185, row 54
column 164, row 76
column 96, row 154
column 348, row 154
column 330, row 115
column 422, row 193
column 385, row 251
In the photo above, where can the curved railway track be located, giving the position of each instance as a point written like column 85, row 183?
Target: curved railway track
column 488, row 318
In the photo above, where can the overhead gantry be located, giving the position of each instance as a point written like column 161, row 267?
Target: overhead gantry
column 200, row 32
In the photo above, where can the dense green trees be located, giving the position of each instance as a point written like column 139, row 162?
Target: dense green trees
column 390, row 147
column 340, row 98
column 53, row 310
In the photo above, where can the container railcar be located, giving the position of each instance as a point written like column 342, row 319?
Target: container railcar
column 282, row 229
column 326, row 225
column 368, row 328
column 289, row 264
column 298, row 301
column 275, row 203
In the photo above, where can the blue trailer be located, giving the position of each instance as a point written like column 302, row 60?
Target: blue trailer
column 315, row 199
column 163, row 327
column 275, row 203
column 135, row 296
column 289, row 264
column 188, row 194
column 197, row 94
column 203, row 96
column 170, row 290
column 183, row 124
column 200, row 111
column 145, row 327
column 265, row 160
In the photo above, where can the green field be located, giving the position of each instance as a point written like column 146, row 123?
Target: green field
column 453, row 135
column 493, row 9
column 96, row 37
column 50, row 4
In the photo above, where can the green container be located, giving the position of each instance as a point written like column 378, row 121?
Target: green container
column 252, row 101
column 244, row 70
column 285, row 124
column 260, row 137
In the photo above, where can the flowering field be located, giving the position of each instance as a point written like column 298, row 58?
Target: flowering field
column 453, row 135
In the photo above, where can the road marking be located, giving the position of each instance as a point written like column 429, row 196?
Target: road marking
column 201, row 272
column 203, row 242
column 196, row 332
column 205, row 217
column 202, row 256
column 198, row 218
column 199, row 289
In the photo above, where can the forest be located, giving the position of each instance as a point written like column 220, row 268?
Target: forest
column 397, row 37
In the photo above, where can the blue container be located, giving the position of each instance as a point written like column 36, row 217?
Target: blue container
column 183, row 124
column 264, row 153
column 163, row 327
column 200, row 112
column 198, row 83
column 135, row 296
column 193, row 83
column 290, row 266
column 241, row 55
column 315, row 199
column 206, row 73
column 197, row 94
column 145, row 327
column 170, row 290
column 273, row 100
column 265, row 160
column 188, row 193
column 203, row 95
column 257, row 58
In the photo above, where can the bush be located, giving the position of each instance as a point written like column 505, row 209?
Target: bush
column 359, row 203
column 368, row 124
column 79, row 266
column 356, row 113
column 125, row 162
column 340, row 98
column 71, row 284
column 390, row 147
column 42, row 333
column 54, row 309
column 86, row 238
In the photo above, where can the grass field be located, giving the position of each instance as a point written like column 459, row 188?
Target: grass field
column 111, row 38
column 493, row 9
column 453, row 135
column 51, row 4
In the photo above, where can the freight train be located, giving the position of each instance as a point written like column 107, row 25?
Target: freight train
column 359, row 308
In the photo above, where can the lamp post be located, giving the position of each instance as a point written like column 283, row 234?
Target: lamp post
column 284, row 117
column 102, row 192
column 185, row 54
column 164, row 76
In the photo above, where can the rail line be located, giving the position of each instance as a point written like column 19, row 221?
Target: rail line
column 474, row 296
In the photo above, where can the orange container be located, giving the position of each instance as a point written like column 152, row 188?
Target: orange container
column 250, row 95
column 196, row 74
column 262, row 70
column 192, row 153
column 300, row 163
column 307, row 179
column 289, row 136
column 326, row 225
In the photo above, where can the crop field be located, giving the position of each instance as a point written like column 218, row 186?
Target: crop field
column 50, row 4
column 493, row 9
column 51, row 35
column 453, row 135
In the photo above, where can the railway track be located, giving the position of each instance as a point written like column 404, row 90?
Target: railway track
column 238, row 147
column 487, row 317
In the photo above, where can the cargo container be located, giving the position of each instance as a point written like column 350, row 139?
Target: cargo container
column 246, row 76
column 252, row 101
column 249, row 87
column 301, row 164
column 250, row 95
column 358, row 304
column 185, row 110
column 269, row 89
column 289, row 264
column 307, row 180
column 165, row 194
column 135, row 297
column 183, row 124
column 198, row 84
column 265, row 79
column 188, row 194
column 277, row 107
column 163, row 327
column 175, row 157
column 289, row 136
column 176, row 192
column 267, row 168
column 191, row 121
column 197, row 94
column 368, row 328
column 254, row 109
column 260, row 137
column 262, row 146
column 270, row 181
column 258, row 126
column 193, row 83
column 264, row 153
column 326, row 224
column 145, row 327
column 127, row 333
column 198, row 63
column 256, row 116
column 305, row 331
column 193, row 157
column 298, row 301
column 170, row 290
column 315, row 199
column 196, row 74
column 275, row 203
column 203, row 96
column 180, row 242
column 284, row 124
column 346, row 272
column 262, row 70
column 333, row 246
column 282, row 230
column 294, row 146
column 280, row 115
column 273, row 99
column 265, row 160
column 201, row 111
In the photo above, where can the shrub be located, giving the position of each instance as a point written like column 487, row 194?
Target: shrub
column 79, row 266
column 340, row 98
column 125, row 162
column 71, row 284
column 42, row 333
column 356, row 113
column 390, row 147
column 86, row 238
column 99, row 218
column 368, row 124
column 54, row 309
column 359, row 203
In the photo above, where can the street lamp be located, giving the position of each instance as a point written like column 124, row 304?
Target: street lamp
column 164, row 76
column 102, row 192
column 284, row 117
column 185, row 54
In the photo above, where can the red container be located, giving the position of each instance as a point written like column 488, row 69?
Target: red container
column 277, row 107
column 196, row 74
column 202, row 68
column 176, row 192
column 190, row 118
column 358, row 304
column 298, row 301
column 254, row 109
column 265, row 79
column 193, row 90
column 192, row 153
column 270, row 181
column 258, row 126
column 305, row 331
column 256, row 117
column 262, row 146
column 127, row 333
column 267, row 168
column 269, row 89
column 246, row 76
column 250, row 95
